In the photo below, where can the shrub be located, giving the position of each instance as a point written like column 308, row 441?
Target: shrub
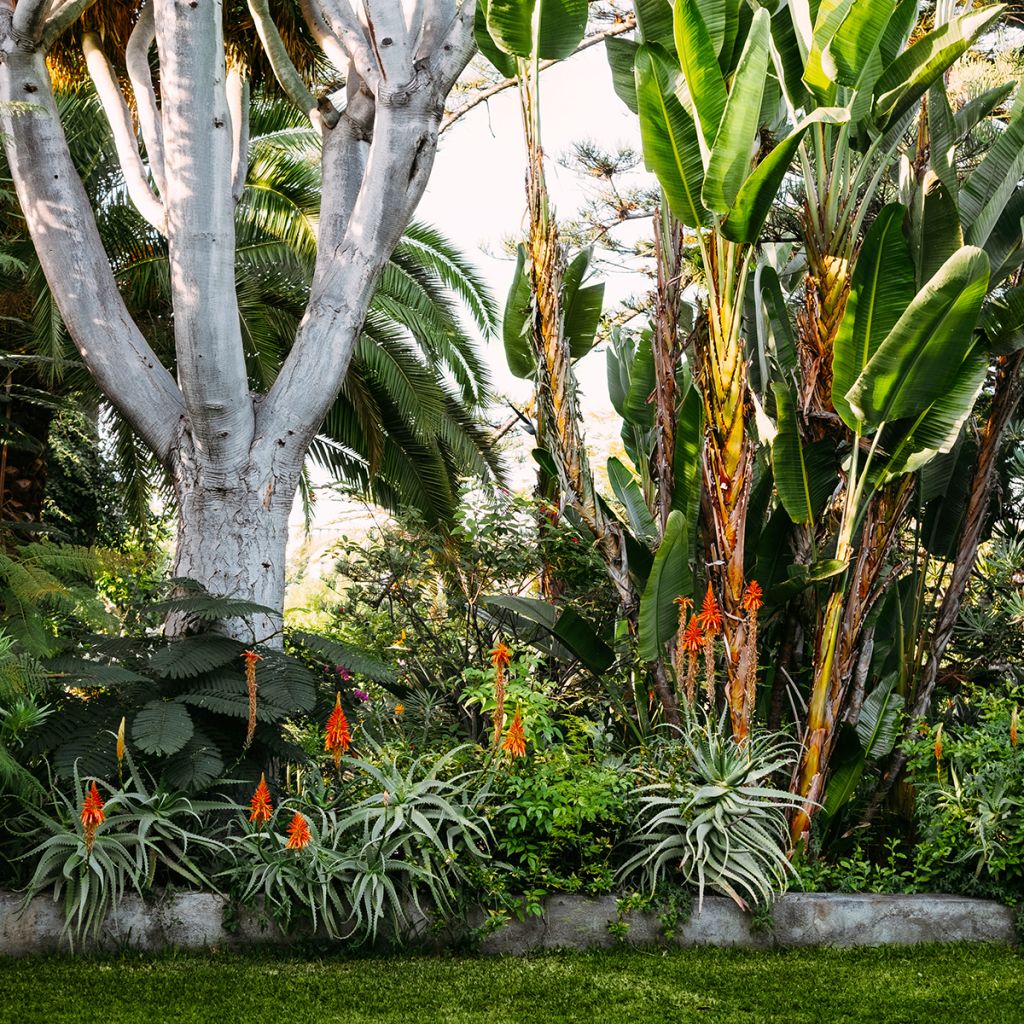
column 719, row 825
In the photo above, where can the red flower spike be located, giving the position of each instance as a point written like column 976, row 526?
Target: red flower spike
column 710, row 618
column 753, row 597
column 339, row 736
column 298, row 833
column 693, row 636
column 501, row 656
column 92, row 814
column 260, row 807
column 515, row 738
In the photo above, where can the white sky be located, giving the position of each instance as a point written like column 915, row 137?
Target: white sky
column 476, row 193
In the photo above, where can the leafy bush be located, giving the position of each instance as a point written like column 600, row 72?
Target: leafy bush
column 563, row 814
column 719, row 825
column 970, row 800
column 148, row 837
column 403, row 842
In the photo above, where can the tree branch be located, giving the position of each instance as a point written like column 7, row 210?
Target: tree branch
column 508, row 83
column 237, row 87
column 333, row 50
column 344, row 26
column 114, row 106
column 62, row 17
column 29, row 19
column 63, row 229
column 285, row 72
column 141, row 77
column 199, row 148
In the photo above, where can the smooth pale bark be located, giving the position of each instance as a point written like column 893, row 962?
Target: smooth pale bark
column 136, row 58
column 63, row 229
column 200, row 211
column 235, row 457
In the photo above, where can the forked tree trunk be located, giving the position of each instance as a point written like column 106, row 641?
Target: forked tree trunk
column 235, row 457
column 232, row 540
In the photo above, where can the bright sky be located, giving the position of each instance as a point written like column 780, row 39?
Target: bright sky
column 476, row 192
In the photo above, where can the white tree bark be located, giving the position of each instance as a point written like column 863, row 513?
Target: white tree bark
column 235, row 457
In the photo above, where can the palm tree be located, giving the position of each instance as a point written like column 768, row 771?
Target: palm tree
column 408, row 424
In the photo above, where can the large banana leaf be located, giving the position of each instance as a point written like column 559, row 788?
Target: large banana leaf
column 515, row 323
column 550, row 29
column 638, row 410
column 581, row 306
column 621, row 54
column 1003, row 322
column 935, row 232
column 654, row 21
column 988, row 188
column 788, row 464
column 908, row 77
column 699, row 62
column 505, row 63
column 761, row 189
column 922, row 355
column 669, row 138
column 881, row 288
column 774, row 301
column 937, row 428
column 627, row 490
column 731, row 156
column 945, row 490
column 817, row 76
column 670, row 578
column 858, row 37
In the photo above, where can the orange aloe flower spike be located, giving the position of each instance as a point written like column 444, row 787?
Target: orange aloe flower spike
column 298, row 833
column 710, row 618
column 92, row 814
column 753, row 597
column 339, row 736
column 260, row 807
column 515, row 738
column 501, row 656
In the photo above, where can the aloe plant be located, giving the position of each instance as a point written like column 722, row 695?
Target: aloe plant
column 722, row 826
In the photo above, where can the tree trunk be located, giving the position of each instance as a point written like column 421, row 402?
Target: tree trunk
column 235, row 456
column 232, row 540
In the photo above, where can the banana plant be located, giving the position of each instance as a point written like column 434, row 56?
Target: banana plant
column 700, row 94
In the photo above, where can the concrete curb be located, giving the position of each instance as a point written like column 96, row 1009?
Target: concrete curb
column 195, row 920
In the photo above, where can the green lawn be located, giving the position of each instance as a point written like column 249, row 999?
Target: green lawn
column 930, row 985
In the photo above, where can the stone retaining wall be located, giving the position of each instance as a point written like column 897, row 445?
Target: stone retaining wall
column 195, row 920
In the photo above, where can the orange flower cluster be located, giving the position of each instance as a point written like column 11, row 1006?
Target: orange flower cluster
column 260, row 807
column 515, row 738
column 251, row 657
column 92, row 815
column 753, row 601
column 710, row 617
column 710, row 622
column 339, row 736
column 501, row 658
column 298, row 833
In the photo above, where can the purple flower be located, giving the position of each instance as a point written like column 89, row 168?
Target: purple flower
column 360, row 695
column 343, row 672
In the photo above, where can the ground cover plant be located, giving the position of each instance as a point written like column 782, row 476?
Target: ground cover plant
column 952, row 984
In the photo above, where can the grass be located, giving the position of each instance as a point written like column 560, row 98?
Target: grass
column 930, row 985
